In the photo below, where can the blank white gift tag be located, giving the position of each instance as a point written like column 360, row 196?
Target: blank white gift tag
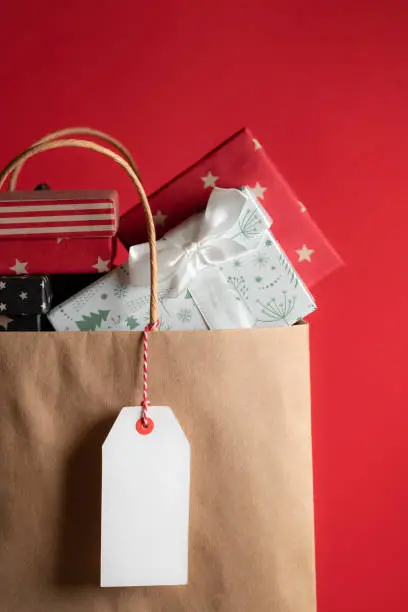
column 145, row 501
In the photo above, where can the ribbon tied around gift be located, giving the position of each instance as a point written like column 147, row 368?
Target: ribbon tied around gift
column 203, row 240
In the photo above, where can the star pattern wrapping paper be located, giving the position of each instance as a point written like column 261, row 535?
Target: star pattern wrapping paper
column 24, row 295
column 240, row 160
column 56, row 256
column 20, row 324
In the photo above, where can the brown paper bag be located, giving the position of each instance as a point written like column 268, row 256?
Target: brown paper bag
column 243, row 400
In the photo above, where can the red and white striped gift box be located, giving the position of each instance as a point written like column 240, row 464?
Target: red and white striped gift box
column 57, row 232
column 44, row 214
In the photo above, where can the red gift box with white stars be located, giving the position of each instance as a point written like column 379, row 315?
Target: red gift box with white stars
column 50, row 232
column 240, row 160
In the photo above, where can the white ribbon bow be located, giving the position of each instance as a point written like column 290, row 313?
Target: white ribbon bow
column 193, row 245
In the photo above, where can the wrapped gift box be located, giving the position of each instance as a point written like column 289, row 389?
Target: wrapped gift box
column 249, row 282
column 64, row 286
column 54, row 232
column 24, row 295
column 24, row 323
column 239, row 161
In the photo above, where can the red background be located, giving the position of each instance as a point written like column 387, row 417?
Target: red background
column 323, row 85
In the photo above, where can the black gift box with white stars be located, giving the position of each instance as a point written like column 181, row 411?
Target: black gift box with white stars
column 20, row 324
column 24, row 295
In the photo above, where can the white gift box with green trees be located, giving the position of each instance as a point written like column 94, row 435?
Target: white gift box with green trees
column 222, row 269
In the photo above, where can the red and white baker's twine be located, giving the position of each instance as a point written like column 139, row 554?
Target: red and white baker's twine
column 145, row 401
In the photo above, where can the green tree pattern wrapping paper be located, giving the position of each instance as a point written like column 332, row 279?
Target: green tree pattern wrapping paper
column 262, row 281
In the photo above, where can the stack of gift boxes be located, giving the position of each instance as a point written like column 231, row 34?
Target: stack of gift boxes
column 237, row 249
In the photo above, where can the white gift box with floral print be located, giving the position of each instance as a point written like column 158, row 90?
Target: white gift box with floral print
column 222, row 269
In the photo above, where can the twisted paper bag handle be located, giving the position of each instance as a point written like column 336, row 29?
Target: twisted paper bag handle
column 127, row 164
column 74, row 132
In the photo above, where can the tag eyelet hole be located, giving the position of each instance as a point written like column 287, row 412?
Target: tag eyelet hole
column 144, row 428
